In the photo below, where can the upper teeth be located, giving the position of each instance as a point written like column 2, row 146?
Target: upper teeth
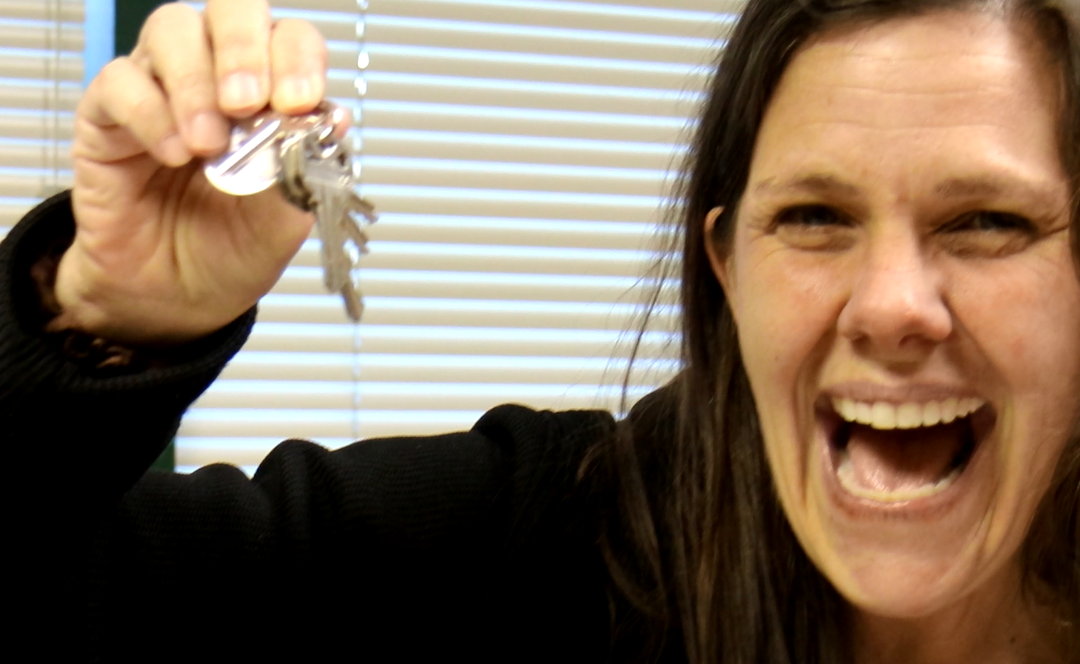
column 881, row 415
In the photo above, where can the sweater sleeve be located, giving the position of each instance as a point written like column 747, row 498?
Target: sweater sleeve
column 104, row 425
column 474, row 543
column 477, row 543
column 75, row 437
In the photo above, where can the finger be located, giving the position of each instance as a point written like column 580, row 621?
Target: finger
column 173, row 43
column 298, row 61
column 240, row 38
column 124, row 95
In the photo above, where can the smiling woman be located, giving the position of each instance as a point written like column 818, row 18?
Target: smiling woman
column 891, row 248
column 871, row 454
column 889, row 302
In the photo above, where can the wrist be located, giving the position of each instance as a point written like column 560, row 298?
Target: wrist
column 85, row 302
column 76, row 344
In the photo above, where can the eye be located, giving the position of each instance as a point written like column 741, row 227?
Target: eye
column 814, row 228
column 985, row 221
column 811, row 215
column 988, row 234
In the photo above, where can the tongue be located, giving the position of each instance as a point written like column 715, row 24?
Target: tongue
column 904, row 459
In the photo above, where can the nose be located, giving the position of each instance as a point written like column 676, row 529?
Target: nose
column 897, row 307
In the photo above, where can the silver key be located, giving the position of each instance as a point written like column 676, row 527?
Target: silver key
column 318, row 176
column 250, row 165
column 314, row 171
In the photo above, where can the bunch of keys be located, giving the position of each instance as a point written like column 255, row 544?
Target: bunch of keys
column 314, row 169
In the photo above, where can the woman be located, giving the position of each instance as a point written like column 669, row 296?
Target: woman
column 870, row 455
column 825, row 230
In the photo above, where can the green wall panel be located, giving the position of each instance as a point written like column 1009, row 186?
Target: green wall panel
column 130, row 15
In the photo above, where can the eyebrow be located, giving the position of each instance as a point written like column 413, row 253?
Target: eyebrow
column 975, row 187
column 950, row 188
column 815, row 183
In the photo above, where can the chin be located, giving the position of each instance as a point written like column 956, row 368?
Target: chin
column 902, row 587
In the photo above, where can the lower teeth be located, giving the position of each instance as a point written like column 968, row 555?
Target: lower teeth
column 846, row 474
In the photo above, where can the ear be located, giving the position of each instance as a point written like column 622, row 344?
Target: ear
column 721, row 264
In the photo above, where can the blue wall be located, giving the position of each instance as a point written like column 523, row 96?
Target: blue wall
column 100, row 36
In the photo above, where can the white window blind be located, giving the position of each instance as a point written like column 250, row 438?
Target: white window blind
column 519, row 153
column 41, row 74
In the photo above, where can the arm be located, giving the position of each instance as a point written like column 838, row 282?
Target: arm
column 473, row 542
column 476, row 542
column 48, row 393
column 157, row 258
column 75, row 437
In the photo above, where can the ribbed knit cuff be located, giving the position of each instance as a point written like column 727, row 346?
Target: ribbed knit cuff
column 27, row 255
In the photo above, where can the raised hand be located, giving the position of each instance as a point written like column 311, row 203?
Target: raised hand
column 160, row 256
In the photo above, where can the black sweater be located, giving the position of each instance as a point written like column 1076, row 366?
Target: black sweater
column 478, row 545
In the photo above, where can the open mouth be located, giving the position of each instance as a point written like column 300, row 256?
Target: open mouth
column 891, row 454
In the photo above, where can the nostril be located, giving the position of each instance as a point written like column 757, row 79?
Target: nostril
column 895, row 326
column 897, row 301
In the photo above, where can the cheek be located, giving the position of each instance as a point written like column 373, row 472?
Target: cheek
column 1028, row 334
column 787, row 309
column 1029, row 330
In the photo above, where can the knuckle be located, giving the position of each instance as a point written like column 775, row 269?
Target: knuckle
column 114, row 72
column 296, row 27
column 302, row 43
column 240, row 37
column 192, row 82
column 146, row 111
column 166, row 17
column 239, row 49
column 216, row 6
column 90, row 101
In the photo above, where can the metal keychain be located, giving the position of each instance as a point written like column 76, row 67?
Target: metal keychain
column 314, row 169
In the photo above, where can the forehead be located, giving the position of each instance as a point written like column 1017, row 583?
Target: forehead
column 946, row 90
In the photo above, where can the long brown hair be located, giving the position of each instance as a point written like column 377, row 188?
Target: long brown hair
column 701, row 557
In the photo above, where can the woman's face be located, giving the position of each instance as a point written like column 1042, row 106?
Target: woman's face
column 901, row 257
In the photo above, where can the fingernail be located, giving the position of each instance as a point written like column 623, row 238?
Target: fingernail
column 208, row 131
column 296, row 91
column 241, row 89
column 173, row 152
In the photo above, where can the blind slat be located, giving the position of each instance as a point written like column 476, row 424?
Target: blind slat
column 475, row 119
column 35, row 155
column 328, row 309
column 656, row 20
column 486, row 266
column 67, row 11
column 528, row 95
column 561, row 41
column 426, row 61
column 372, row 339
column 476, row 287
column 577, row 234
column 40, row 36
column 422, row 201
column 36, row 95
column 482, row 175
column 434, row 371
column 381, row 396
column 19, row 184
column 32, row 66
column 519, row 150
